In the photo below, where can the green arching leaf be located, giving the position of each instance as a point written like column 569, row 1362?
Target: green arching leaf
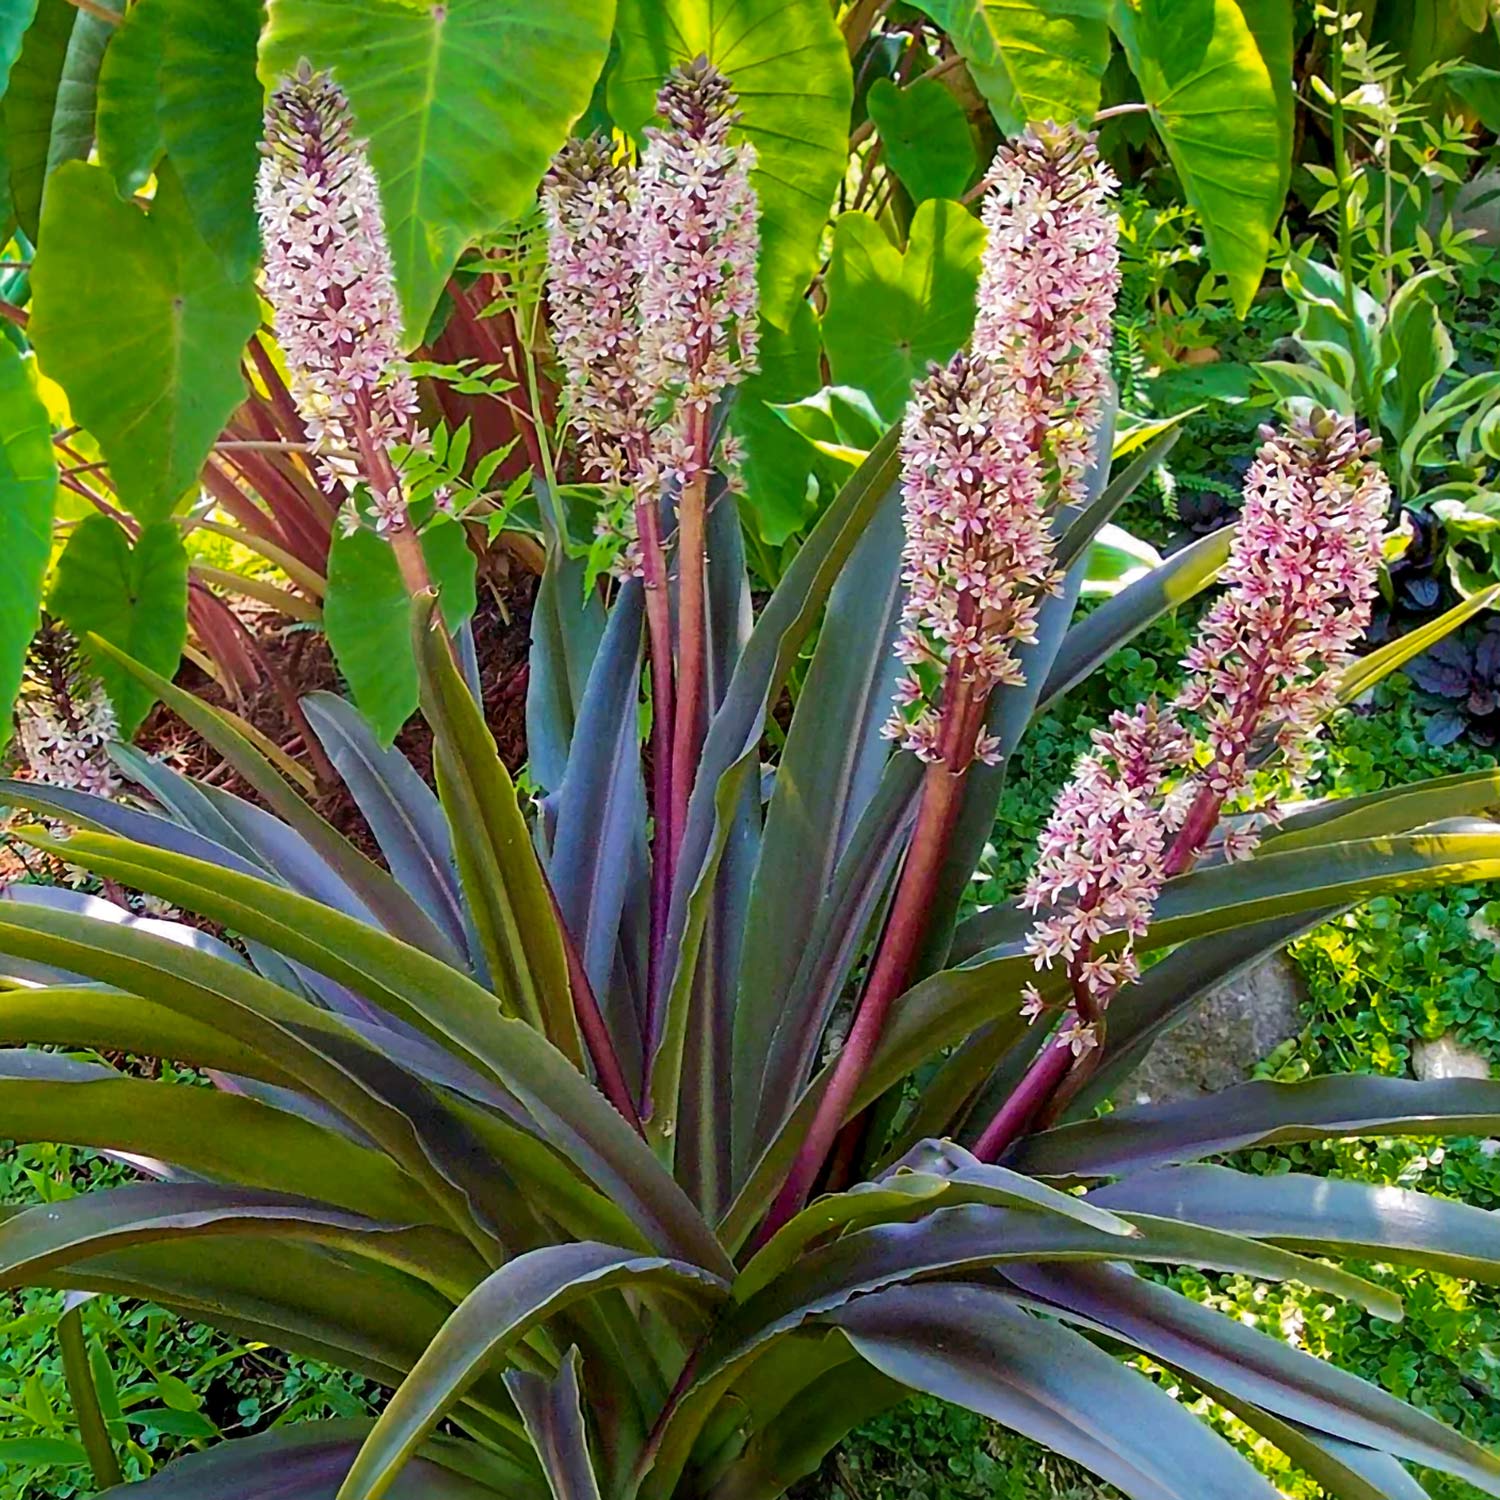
column 790, row 67
column 39, row 1241
column 1220, row 111
column 463, row 105
column 229, row 1137
column 128, row 119
column 146, row 340
column 133, row 596
column 512, row 909
column 1032, row 59
column 16, row 17
column 397, row 912
column 890, row 314
column 1255, row 1366
column 1262, row 1113
column 309, row 1459
column 1321, row 1216
column 210, row 113
column 46, row 28
column 973, row 1345
column 1364, row 672
column 367, row 615
column 489, row 1322
column 926, row 135
column 28, row 489
column 1479, row 88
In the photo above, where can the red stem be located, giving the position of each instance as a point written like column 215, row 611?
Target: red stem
column 888, row 977
column 692, row 637
column 596, row 1037
column 659, row 634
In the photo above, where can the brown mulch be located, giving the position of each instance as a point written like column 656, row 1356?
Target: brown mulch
column 300, row 659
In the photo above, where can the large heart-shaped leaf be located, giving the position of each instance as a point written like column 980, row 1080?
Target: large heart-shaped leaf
column 1218, row 103
column 134, row 597
column 790, row 68
column 463, row 105
column 128, row 122
column 145, row 339
column 1032, row 59
column 28, row 486
column 890, row 315
column 367, row 614
column 926, row 135
column 43, row 29
column 210, row 112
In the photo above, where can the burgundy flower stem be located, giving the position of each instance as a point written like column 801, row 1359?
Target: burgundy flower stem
column 692, row 636
column 607, row 1070
column 659, row 637
column 899, row 945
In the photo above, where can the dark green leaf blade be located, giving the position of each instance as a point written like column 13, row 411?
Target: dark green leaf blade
column 28, row 490
column 147, row 340
column 133, row 596
column 489, row 1322
column 975, row 1346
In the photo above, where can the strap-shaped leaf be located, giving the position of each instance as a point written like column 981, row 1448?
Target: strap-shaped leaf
column 1363, row 673
column 307, row 1462
column 1397, row 809
column 1172, row 988
column 730, row 748
column 311, row 1051
column 1261, row 1114
column 449, row 1006
column 488, row 1323
column 1254, row 1366
column 380, row 892
column 554, row 1422
column 497, row 865
column 950, row 1240
column 1116, row 622
column 567, row 625
column 37, row 1242
column 1347, row 1471
column 229, row 1137
column 1321, row 1216
column 974, row 1346
column 599, row 814
column 956, row 1178
column 827, row 775
column 400, row 808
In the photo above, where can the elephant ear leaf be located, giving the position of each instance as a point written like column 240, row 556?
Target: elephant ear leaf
column 28, row 488
column 1201, row 64
column 133, row 595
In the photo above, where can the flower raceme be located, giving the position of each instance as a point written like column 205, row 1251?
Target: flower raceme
column 997, row 441
column 593, row 293
column 329, row 279
column 699, row 239
column 1301, row 575
column 977, row 558
column 1048, row 282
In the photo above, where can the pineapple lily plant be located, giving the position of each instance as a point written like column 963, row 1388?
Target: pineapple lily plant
column 644, row 1141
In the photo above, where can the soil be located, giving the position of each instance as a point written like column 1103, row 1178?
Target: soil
column 297, row 661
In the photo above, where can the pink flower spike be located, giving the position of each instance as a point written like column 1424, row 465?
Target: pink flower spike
column 329, row 279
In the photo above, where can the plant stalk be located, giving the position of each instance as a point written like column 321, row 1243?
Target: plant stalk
column 692, row 631
column 899, row 946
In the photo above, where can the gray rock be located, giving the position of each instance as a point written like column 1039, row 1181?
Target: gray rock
column 1236, row 1027
column 1447, row 1058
